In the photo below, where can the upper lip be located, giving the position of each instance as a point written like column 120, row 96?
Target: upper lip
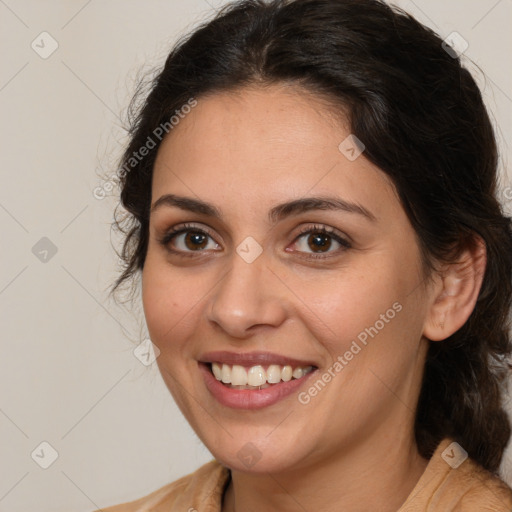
column 252, row 359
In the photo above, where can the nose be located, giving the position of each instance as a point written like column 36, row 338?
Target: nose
column 248, row 298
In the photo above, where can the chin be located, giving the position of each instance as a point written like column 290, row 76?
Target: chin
column 258, row 453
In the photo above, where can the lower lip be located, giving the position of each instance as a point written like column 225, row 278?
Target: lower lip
column 249, row 398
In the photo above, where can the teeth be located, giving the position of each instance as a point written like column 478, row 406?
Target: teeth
column 287, row 373
column 226, row 374
column 217, row 371
column 273, row 374
column 297, row 373
column 256, row 376
column 238, row 375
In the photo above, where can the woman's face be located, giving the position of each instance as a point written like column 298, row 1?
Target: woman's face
column 255, row 285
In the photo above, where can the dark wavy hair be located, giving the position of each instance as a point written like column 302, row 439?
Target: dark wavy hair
column 422, row 118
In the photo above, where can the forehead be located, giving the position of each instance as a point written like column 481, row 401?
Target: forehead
column 258, row 143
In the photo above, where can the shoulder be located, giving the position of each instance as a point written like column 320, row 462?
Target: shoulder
column 206, row 484
column 481, row 490
column 452, row 482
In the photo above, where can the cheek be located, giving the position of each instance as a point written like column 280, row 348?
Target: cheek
column 169, row 303
column 342, row 305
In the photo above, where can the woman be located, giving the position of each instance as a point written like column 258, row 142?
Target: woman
column 311, row 189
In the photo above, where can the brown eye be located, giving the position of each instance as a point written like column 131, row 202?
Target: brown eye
column 187, row 240
column 195, row 240
column 318, row 241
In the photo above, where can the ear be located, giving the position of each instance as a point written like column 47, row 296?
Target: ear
column 456, row 292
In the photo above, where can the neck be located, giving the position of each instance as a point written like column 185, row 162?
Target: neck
column 376, row 474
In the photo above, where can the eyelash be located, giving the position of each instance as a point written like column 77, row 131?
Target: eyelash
column 185, row 228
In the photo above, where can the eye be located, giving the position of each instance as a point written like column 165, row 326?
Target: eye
column 186, row 239
column 320, row 240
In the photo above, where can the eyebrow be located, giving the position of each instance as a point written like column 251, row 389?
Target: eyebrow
column 276, row 214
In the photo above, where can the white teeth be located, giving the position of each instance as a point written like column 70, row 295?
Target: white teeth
column 256, row 376
column 287, row 373
column 217, row 371
column 226, row 374
column 238, row 375
column 297, row 373
column 273, row 374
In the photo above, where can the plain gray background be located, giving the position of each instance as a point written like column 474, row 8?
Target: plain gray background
column 69, row 376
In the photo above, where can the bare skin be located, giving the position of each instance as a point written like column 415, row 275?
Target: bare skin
column 351, row 447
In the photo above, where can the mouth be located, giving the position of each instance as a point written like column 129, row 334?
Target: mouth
column 258, row 376
column 253, row 380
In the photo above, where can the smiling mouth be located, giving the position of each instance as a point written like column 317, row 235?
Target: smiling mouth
column 256, row 377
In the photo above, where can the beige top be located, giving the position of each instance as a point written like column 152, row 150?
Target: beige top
column 444, row 486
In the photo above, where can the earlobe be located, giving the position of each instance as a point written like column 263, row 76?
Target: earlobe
column 457, row 292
